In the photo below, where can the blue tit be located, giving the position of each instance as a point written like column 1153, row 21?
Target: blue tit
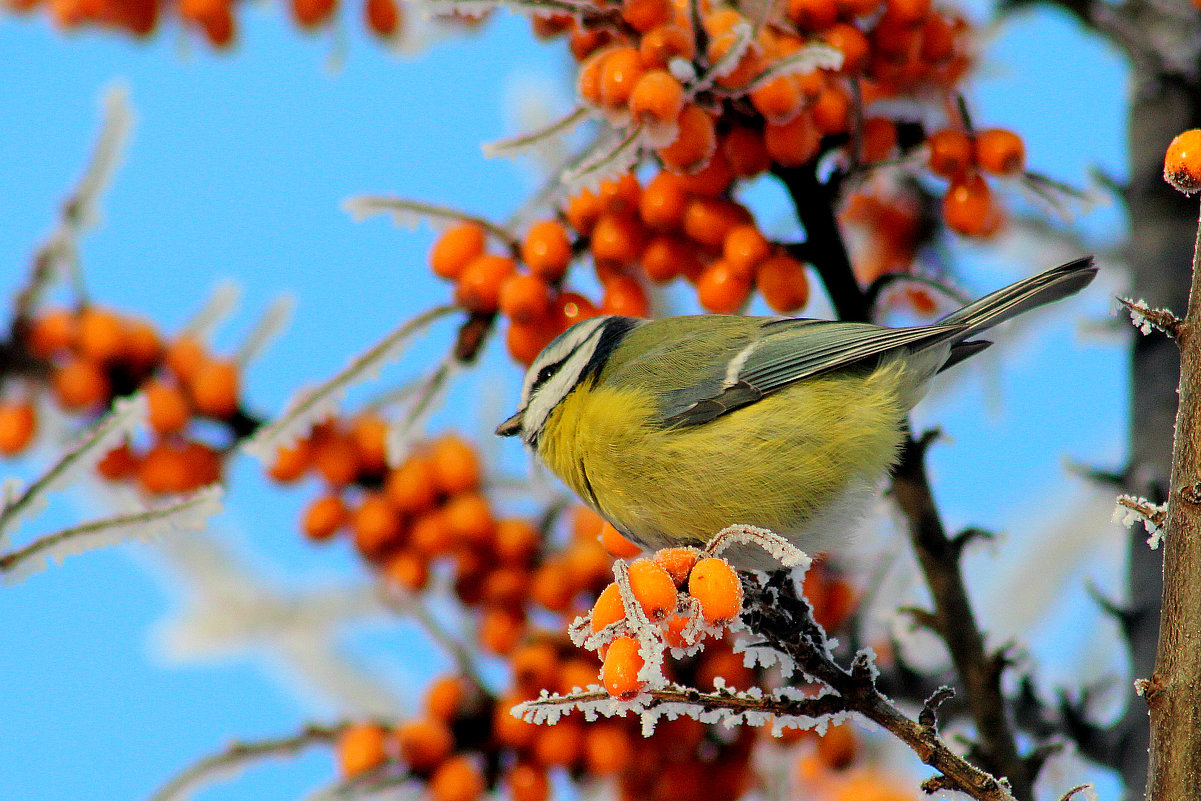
column 676, row 428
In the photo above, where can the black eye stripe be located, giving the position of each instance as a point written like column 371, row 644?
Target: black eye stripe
column 545, row 374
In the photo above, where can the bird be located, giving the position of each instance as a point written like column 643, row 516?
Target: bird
column 675, row 428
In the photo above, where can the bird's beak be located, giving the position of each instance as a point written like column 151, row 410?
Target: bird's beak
column 512, row 426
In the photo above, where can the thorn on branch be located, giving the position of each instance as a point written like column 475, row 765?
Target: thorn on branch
column 1146, row 318
column 1107, row 478
column 926, row 439
column 921, row 618
column 928, row 717
column 968, row 535
column 1126, row 617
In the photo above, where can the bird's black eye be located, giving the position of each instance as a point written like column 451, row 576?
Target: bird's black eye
column 544, row 375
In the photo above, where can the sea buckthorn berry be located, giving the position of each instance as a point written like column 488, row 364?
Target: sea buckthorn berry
column 577, row 673
column 456, row 465
column 524, row 341
column 535, row 665
column 616, row 544
column 101, row 335
column 838, row 747
column 516, row 540
column 724, row 663
column 509, row 730
column 663, row 202
column 185, row 356
column 17, row 425
column 164, row 469
column 80, row 384
column 430, row 535
column 53, row 332
column 424, row 743
column 910, row 11
column 625, row 296
column 653, row 588
column 204, row 464
column 643, row 15
column 383, row 17
column 711, row 180
column 661, row 44
column 214, row 389
column 587, row 564
column 528, row 782
column 715, row 585
column 620, row 71
column 369, row 434
column 219, row 28
column 335, row 458
column 118, row 463
column 657, row 98
column 608, row 608
column 570, row 308
column 410, row 487
column 665, row 258
column 722, row 289
column 794, row 143
column 608, row 749
column 695, row 143
column 620, row 195
column 407, row 569
column 561, row 744
column 143, row 347
column 969, row 207
column 813, row 15
column 745, row 152
column 879, row 138
column 312, row 13
column 938, row 39
column 551, row 25
column 583, row 42
column 583, row 210
column 292, row 462
column 377, row 527
column 457, row 246
column 831, row 111
column 744, row 248
column 850, row 41
column 457, row 779
column 619, row 673
column 749, row 64
column 678, row 562
column 501, row 629
column 586, row 524
column 782, row 282
column 673, row 630
column 362, row 748
column 710, row 220
column 478, row 287
column 446, row 697
column 617, row 239
column 588, row 83
column 546, row 250
column 552, row 586
column 1000, row 152
column 778, row 99
column 470, row 518
column 324, row 516
column 951, row 152
column 524, row 297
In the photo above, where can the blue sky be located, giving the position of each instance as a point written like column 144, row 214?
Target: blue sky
column 236, row 169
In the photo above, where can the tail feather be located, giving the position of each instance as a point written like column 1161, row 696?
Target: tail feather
column 1047, row 287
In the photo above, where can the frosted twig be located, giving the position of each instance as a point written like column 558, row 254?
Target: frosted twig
column 1146, row 318
column 1088, row 792
column 514, row 145
column 729, row 60
column 409, row 212
column 190, row 513
column 219, row 306
column 237, row 756
column 96, row 442
column 1151, row 515
column 266, row 329
column 579, row 8
column 401, row 433
column 787, row 554
column 366, row 785
column 607, row 159
column 410, row 604
column 310, row 406
column 813, row 56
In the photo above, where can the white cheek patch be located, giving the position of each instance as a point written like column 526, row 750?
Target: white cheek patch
column 581, row 345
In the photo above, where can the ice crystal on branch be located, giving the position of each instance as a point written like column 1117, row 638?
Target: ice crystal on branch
column 1131, row 510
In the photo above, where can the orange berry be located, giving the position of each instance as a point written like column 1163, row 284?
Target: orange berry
column 608, row 607
column 608, row 749
column 643, row 15
column 749, row 65
column 524, row 297
column 456, row 779
column 710, row 220
column 715, row 585
column 657, row 97
column 853, row 45
column 910, row 11
column 335, row 458
column 857, row 8
column 546, row 250
column 535, row 665
column 500, row 630
column 410, row 487
column 969, row 207
column 525, row 341
column 143, row 347
column 1000, row 152
column 583, row 210
column 778, row 99
column 17, row 426
column 838, row 747
column 587, row 564
column 169, row 410
column 722, row 289
column 516, row 540
column 204, row 465
column 879, row 138
column 794, row 143
column 478, row 287
column 219, row 28
column 323, row 517
column 118, row 463
column 164, row 469
column 185, row 357
column 620, row 195
column 666, row 257
column 653, row 588
column 383, row 17
column 369, row 435
column 711, row 180
column 617, row 239
column 782, row 282
column 938, row 39
column 724, row 663
column 53, row 332
column 312, row 13
column 561, row 744
column 101, row 335
column 661, row 44
column 446, row 697
column 470, row 518
column 571, row 307
column 694, row 144
column 677, row 562
column 744, row 248
column 528, row 782
column 214, row 389
column 456, row 465
column 362, row 748
column 552, row 586
column 586, row 524
column 832, row 109
column 377, row 527
column 813, row 15
column 722, row 21
column 951, row 152
column 408, row 569
column 80, row 385
column 620, row 71
column 625, row 296
column 578, row 673
column 673, row 630
column 588, row 82
column 457, row 246
column 583, row 42
column 425, row 743
column 619, row 673
column 430, row 535
column 511, row 731
column 745, row 152
column 292, row 462
column 616, row 544
column 663, row 201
